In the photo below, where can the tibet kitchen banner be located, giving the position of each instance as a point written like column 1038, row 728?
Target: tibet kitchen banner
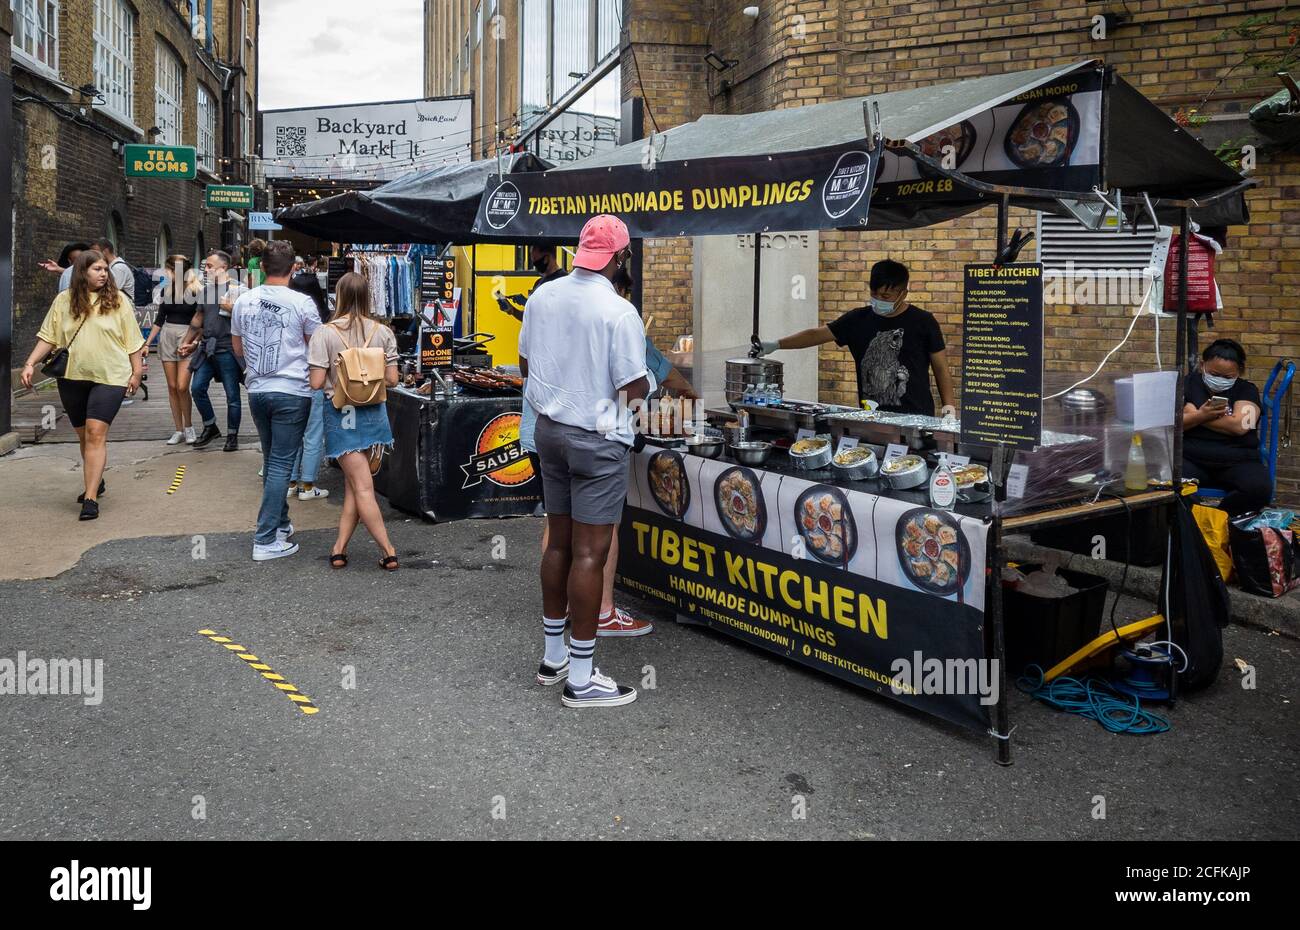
column 849, row 583
column 1047, row 137
column 817, row 189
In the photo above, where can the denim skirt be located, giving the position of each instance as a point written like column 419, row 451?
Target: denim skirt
column 356, row 429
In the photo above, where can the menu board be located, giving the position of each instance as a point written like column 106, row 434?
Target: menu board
column 437, row 278
column 1002, row 355
column 336, row 268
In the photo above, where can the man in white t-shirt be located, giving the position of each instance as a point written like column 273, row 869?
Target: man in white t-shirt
column 123, row 276
column 270, row 328
column 582, row 351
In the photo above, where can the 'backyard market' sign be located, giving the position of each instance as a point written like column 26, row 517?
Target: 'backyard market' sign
column 231, row 197
column 160, row 161
column 824, row 188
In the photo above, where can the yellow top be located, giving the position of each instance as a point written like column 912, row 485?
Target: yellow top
column 102, row 350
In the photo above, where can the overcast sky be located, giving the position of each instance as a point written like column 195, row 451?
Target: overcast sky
column 339, row 51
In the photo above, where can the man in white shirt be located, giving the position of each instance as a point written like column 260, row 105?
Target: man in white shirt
column 582, row 351
column 270, row 328
column 123, row 276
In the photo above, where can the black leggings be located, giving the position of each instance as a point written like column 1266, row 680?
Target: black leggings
column 90, row 400
column 1247, row 483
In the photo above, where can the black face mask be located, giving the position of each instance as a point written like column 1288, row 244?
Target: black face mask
column 540, row 265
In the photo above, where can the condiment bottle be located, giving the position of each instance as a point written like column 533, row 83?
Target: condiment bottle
column 943, row 487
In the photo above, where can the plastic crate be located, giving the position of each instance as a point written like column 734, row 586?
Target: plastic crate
column 1044, row 630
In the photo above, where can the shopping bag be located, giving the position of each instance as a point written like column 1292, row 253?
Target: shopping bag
column 1214, row 527
column 1264, row 558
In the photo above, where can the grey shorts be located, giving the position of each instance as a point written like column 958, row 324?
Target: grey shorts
column 169, row 341
column 584, row 475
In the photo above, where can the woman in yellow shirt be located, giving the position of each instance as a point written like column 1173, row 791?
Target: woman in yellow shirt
column 96, row 323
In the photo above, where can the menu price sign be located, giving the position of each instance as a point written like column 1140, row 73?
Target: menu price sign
column 1002, row 355
column 437, row 327
column 336, row 268
column 437, row 278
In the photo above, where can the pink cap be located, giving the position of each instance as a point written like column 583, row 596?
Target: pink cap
column 602, row 238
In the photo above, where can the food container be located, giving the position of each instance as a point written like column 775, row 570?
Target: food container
column 814, row 452
column 709, row 447
column 856, row 463
column 970, row 476
column 750, row 453
column 906, row 471
column 742, row 372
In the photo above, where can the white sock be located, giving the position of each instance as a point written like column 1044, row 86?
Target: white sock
column 555, row 651
column 581, row 653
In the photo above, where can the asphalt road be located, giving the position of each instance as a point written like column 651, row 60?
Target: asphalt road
column 446, row 728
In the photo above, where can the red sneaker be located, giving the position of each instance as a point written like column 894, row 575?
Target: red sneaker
column 621, row 623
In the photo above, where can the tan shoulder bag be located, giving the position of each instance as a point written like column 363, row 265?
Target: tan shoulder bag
column 359, row 374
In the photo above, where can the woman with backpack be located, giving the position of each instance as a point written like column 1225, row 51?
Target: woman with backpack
column 178, row 297
column 354, row 359
column 93, row 342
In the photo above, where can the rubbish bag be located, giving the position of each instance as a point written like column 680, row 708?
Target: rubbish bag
column 1214, row 528
column 1264, row 557
column 1195, row 600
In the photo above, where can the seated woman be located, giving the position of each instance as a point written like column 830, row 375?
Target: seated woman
column 1220, row 430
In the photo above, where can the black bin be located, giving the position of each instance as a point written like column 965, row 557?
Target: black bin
column 1143, row 544
column 1044, row 630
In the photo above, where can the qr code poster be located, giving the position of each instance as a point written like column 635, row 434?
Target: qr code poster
column 290, row 141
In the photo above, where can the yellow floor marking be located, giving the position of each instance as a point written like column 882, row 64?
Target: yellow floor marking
column 176, row 481
column 300, row 700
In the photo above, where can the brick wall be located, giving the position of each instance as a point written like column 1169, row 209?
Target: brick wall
column 69, row 179
column 798, row 53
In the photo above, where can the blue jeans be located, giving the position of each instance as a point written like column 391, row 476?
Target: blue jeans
column 225, row 367
column 307, row 463
column 281, row 420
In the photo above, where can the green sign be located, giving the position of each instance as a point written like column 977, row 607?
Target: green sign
column 228, row 196
column 161, row 161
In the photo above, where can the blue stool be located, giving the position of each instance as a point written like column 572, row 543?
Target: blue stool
column 1272, row 399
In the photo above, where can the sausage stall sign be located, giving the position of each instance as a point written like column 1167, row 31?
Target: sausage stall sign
column 160, row 161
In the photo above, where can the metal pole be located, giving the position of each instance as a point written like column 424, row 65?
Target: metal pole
column 1002, row 717
column 758, row 270
column 6, row 255
column 1180, row 352
column 473, row 290
column 1004, row 208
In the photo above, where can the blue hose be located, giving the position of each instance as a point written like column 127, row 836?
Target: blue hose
column 1095, row 699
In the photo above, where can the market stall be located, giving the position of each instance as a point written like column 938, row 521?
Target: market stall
column 456, row 415
column 855, row 570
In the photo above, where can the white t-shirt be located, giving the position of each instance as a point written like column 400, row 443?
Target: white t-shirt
column 123, row 277
column 275, row 325
column 583, row 344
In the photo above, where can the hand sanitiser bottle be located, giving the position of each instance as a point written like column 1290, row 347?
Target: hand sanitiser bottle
column 1135, row 473
column 943, row 487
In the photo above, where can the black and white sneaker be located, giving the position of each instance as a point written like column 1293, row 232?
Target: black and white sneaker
column 546, row 675
column 601, row 691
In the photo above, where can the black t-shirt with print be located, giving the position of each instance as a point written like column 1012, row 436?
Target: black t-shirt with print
column 892, row 356
column 1207, row 445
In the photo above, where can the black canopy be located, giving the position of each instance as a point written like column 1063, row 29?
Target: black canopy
column 1038, row 134
column 435, row 206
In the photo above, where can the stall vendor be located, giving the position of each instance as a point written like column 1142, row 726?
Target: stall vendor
column 1220, row 430
column 893, row 343
column 544, row 263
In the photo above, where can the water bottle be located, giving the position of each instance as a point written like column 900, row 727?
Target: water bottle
column 748, row 396
column 776, row 394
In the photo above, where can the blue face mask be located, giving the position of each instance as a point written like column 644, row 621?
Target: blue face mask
column 1217, row 384
column 882, row 306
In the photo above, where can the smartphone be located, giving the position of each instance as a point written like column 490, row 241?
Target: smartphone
column 1218, row 400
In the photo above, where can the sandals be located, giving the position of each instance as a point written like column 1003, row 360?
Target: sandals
column 389, row 563
column 338, row 559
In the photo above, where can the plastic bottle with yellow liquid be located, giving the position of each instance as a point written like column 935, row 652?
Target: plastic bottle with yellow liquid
column 1135, row 472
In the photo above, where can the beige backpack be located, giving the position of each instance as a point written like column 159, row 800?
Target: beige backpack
column 359, row 374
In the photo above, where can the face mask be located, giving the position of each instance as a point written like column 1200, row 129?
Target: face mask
column 1216, row 383
column 540, row 266
column 882, row 306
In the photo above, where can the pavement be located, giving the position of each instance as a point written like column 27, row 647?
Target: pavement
column 430, row 724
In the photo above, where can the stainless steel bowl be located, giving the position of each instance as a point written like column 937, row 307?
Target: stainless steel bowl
column 709, row 447
column 750, row 453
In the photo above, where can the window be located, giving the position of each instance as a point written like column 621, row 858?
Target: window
column 243, row 31
column 162, row 246
column 36, row 31
column 116, row 232
column 169, row 91
column 207, row 134
column 201, row 22
column 114, row 46
column 478, row 25
column 562, row 42
column 248, row 125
